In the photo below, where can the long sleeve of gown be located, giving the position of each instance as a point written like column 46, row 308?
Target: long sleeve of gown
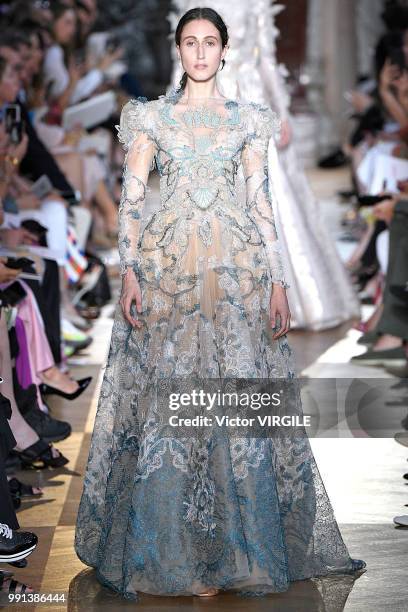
column 135, row 133
column 260, row 192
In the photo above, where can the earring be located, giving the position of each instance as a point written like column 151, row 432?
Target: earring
column 222, row 65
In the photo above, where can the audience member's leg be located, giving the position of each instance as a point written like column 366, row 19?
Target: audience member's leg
column 7, row 512
column 107, row 207
column 48, row 297
column 25, row 436
column 55, row 216
column 369, row 257
column 41, row 362
column 72, row 166
column 394, row 319
column 82, row 225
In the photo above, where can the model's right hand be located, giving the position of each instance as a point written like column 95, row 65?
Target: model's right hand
column 130, row 293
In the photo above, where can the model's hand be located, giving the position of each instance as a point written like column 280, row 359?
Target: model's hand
column 130, row 293
column 279, row 311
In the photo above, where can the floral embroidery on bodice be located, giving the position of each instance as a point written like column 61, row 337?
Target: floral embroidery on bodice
column 200, row 148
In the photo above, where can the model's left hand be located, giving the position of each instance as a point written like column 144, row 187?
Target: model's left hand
column 279, row 311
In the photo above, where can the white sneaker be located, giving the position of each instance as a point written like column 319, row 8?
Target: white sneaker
column 401, row 520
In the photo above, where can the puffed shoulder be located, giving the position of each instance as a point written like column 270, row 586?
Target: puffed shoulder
column 263, row 122
column 135, row 118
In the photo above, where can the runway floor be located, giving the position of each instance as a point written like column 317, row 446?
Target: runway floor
column 363, row 477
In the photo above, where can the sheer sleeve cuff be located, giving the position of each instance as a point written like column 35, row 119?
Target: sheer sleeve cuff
column 273, row 253
column 135, row 265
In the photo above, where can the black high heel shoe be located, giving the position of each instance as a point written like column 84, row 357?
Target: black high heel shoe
column 21, row 563
column 39, row 456
column 82, row 385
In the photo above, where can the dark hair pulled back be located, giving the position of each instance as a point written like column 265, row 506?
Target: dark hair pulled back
column 201, row 13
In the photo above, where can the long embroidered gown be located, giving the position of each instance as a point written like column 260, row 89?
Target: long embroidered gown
column 173, row 515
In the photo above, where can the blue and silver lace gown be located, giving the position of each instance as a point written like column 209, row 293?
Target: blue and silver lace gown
column 169, row 515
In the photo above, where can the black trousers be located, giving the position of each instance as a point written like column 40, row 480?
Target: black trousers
column 394, row 319
column 7, row 442
column 369, row 256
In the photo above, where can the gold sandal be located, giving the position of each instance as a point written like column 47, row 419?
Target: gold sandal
column 210, row 593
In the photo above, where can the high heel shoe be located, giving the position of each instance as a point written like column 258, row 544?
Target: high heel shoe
column 22, row 563
column 39, row 455
column 212, row 591
column 20, row 489
column 82, row 385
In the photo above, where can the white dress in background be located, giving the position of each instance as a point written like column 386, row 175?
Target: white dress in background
column 321, row 295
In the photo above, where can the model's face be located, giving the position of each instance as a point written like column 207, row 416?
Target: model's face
column 200, row 49
column 64, row 27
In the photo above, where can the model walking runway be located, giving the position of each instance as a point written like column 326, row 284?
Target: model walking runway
column 211, row 512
